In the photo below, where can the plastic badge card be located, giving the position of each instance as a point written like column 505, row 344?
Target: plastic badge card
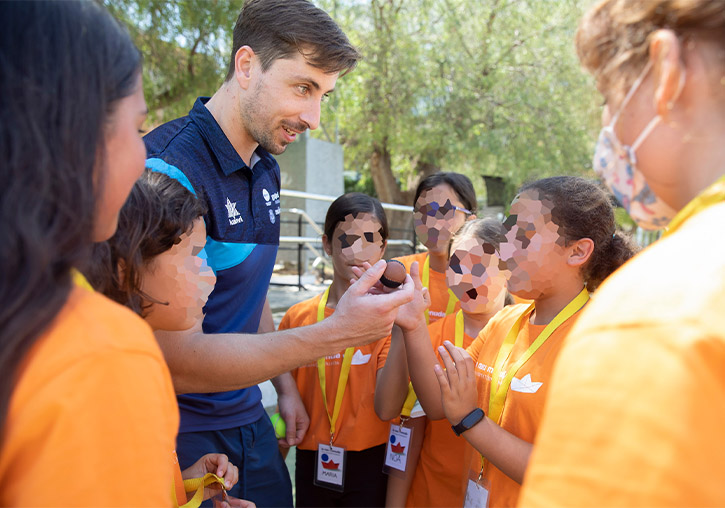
column 476, row 492
column 330, row 472
column 396, row 452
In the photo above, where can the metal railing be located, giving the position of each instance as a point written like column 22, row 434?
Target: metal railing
column 312, row 244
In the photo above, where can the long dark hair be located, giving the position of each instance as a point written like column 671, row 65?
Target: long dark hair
column 583, row 210
column 158, row 211
column 460, row 184
column 64, row 66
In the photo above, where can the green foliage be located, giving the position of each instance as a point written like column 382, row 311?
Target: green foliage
column 475, row 86
column 185, row 45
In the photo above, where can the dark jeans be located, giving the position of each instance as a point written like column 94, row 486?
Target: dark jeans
column 263, row 475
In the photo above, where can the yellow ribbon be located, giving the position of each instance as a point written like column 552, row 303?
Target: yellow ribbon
column 713, row 195
column 80, row 280
column 500, row 387
column 425, row 280
column 344, row 372
column 412, row 397
column 198, row 485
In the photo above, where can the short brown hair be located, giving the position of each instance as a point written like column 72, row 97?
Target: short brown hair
column 279, row 28
column 613, row 37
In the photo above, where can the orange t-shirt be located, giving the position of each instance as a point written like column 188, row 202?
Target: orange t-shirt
column 358, row 427
column 437, row 287
column 637, row 402
column 93, row 418
column 439, row 478
column 527, row 393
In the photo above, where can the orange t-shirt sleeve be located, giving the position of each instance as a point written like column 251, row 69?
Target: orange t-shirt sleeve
column 623, row 424
column 96, row 428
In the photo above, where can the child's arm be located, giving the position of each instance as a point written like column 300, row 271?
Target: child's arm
column 391, row 384
column 459, row 397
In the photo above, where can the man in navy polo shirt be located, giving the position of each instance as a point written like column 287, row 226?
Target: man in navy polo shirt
column 286, row 58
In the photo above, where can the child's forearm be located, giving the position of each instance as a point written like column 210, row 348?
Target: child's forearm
column 421, row 360
column 391, row 386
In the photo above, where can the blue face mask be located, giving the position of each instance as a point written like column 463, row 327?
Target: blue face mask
column 616, row 164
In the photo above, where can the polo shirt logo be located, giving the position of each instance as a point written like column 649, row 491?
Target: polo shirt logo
column 234, row 216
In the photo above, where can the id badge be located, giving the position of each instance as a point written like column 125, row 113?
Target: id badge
column 476, row 491
column 396, row 451
column 330, row 468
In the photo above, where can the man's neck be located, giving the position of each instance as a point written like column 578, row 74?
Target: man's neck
column 224, row 107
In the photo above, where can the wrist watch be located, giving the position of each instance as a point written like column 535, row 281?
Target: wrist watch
column 469, row 421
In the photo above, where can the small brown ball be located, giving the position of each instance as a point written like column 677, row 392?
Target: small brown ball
column 394, row 274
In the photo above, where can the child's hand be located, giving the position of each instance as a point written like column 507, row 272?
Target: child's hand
column 412, row 314
column 216, row 463
column 459, row 395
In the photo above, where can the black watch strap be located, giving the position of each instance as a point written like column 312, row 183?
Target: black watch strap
column 469, row 421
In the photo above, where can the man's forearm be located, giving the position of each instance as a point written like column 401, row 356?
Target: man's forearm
column 201, row 363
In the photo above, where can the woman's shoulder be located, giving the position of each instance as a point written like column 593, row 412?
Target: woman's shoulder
column 91, row 330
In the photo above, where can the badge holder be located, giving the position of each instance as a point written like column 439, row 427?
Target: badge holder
column 396, row 450
column 330, row 467
column 477, row 490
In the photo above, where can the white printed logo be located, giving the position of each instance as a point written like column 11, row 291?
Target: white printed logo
column 525, row 385
column 272, row 218
column 359, row 358
column 233, row 215
column 265, row 193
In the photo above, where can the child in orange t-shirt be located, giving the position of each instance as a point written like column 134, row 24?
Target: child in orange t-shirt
column 154, row 265
column 560, row 244
column 475, row 277
column 339, row 462
column 443, row 202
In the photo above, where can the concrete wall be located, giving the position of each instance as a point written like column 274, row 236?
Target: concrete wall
column 308, row 165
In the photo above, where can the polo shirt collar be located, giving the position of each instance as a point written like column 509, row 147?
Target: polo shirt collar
column 227, row 157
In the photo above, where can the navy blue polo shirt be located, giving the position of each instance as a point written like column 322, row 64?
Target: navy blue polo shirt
column 242, row 226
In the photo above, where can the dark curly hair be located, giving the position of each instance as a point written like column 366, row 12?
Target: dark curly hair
column 583, row 210
column 158, row 211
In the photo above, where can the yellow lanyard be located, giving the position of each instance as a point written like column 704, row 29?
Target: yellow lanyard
column 344, row 372
column 500, row 387
column 458, row 341
column 713, row 195
column 425, row 280
column 198, row 484
column 80, row 280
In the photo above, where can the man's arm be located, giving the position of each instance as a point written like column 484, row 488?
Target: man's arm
column 202, row 362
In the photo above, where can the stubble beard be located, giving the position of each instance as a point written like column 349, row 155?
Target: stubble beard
column 258, row 125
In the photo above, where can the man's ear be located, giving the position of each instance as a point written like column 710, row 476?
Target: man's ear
column 580, row 251
column 327, row 245
column 665, row 53
column 244, row 61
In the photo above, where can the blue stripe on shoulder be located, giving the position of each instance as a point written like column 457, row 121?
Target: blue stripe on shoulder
column 161, row 166
column 223, row 255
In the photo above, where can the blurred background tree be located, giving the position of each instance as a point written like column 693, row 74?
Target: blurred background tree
column 482, row 87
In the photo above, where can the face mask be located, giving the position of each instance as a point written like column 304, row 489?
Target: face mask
column 616, row 163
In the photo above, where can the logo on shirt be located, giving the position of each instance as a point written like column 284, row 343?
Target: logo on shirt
column 265, row 194
column 234, row 216
column 359, row 358
column 525, row 385
column 272, row 218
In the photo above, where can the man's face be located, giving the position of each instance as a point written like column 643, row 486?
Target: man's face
column 285, row 101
